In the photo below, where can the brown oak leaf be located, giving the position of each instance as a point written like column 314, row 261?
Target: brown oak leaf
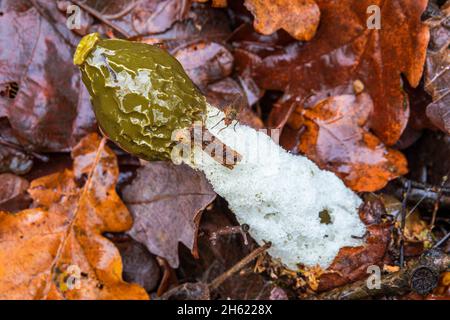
column 56, row 250
column 347, row 51
column 300, row 18
column 336, row 137
column 166, row 201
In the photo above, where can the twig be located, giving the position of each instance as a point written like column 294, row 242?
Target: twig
column 421, row 276
column 442, row 241
column 18, row 147
column 403, row 223
column 100, row 17
column 238, row 266
column 436, row 202
column 121, row 13
column 421, row 192
column 243, row 230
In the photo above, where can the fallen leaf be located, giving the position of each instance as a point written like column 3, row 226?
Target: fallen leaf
column 337, row 138
column 218, row 257
column 141, row 17
column 215, row 3
column 298, row 17
column 188, row 291
column 139, row 265
column 227, row 92
column 245, row 62
column 13, row 193
column 344, row 51
column 166, row 201
column 56, row 250
column 437, row 72
column 48, row 107
column 351, row 263
column 13, row 158
column 202, row 24
column 205, row 62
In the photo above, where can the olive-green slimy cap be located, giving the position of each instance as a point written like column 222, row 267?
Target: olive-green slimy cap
column 85, row 46
column 140, row 94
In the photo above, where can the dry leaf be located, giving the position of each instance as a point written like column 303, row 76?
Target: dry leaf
column 56, row 250
column 166, row 201
column 298, row 17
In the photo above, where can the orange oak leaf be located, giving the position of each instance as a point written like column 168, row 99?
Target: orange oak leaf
column 349, row 49
column 337, row 138
column 300, row 18
column 56, row 250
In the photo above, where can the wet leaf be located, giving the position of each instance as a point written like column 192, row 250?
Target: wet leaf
column 205, row 62
column 188, row 291
column 437, row 72
column 336, row 137
column 139, row 265
column 344, row 52
column 227, row 92
column 299, row 17
column 13, row 158
column 41, row 91
column 56, row 250
column 166, row 201
column 351, row 263
column 142, row 17
column 13, row 193
column 202, row 24
column 216, row 258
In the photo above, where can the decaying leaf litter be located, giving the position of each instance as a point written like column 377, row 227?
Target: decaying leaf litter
column 346, row 115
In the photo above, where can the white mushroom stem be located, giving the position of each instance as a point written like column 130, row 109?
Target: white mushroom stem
column 307, row 214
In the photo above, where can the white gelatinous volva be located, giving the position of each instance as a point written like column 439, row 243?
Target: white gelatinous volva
column 282, row 197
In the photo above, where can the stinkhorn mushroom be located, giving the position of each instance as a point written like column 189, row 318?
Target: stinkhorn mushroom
column 144, row 101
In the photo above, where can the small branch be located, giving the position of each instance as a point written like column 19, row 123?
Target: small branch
column 120, row 14
column 421, row 192
column 101, row 18
column 421, row 276
column 403, row 223
column 238, row 266
column 19, row 148
column 436, row 202
column 442, row 241
column 243, row 230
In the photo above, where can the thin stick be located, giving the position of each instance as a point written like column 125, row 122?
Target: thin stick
column 403, row 223
column 436, row 203
column 100, row 17
column 440, row 242
column 238, row 266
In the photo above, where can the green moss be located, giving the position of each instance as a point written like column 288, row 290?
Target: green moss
column 140, row 94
